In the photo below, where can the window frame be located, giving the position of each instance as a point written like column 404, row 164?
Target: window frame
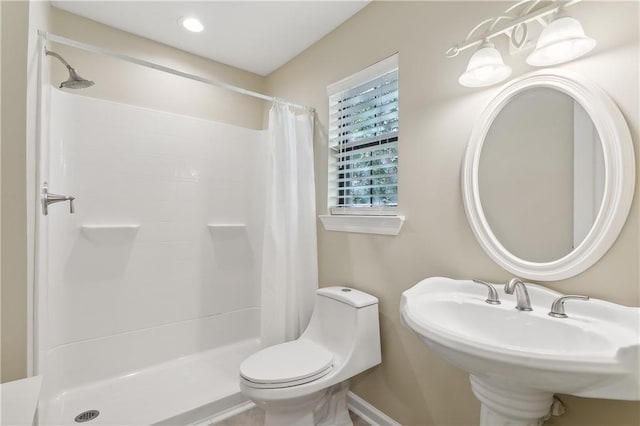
column 369, row 74
column 380, row 220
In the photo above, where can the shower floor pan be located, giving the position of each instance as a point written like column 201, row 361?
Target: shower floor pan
column 184, row 391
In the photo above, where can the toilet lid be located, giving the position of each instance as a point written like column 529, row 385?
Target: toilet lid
column 287, row 362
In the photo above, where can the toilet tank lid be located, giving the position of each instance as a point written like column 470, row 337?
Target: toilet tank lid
column 350, row 296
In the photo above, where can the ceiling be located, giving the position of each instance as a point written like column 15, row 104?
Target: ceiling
column 256, row 36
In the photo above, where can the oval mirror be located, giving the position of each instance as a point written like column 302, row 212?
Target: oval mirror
column 548, row 175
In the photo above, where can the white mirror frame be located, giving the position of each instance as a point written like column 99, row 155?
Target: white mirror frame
column 619, row 161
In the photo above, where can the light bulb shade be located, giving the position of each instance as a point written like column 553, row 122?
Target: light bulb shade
column 561, row 41
column 485, row 68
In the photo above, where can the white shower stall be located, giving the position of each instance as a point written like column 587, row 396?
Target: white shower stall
column 148, row 296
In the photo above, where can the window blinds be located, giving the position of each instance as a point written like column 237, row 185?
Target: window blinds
column 363, row 142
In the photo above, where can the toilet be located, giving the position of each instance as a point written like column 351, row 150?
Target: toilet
column 305, row 381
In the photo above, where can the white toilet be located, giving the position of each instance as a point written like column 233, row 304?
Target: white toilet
column 291, row 380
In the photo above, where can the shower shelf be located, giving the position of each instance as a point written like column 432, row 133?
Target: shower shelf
column 226, row 225
column 110, row 234
column 226, row 230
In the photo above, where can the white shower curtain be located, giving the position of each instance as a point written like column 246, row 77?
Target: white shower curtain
column 289, row 255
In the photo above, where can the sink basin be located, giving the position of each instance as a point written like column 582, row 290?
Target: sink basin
column 595, row 352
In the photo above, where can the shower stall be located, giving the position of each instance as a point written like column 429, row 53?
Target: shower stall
column 148, row 295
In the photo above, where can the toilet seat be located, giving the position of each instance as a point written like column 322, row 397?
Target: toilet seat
column 287, row 364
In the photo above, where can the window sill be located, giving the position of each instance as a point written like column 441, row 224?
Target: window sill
column 383, row 225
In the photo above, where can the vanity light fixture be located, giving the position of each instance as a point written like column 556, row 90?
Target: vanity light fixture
column 191, row 24
column 561, row 40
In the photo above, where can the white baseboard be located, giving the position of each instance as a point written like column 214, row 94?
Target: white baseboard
column 368, row 412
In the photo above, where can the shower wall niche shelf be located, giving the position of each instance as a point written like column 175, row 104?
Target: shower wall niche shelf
column 226, row 231
column 109, row 234
column 214, row 226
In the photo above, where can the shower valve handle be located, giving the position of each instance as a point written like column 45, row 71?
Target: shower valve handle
column 49, row 198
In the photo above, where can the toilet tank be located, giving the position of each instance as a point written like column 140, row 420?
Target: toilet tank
column 345, row 321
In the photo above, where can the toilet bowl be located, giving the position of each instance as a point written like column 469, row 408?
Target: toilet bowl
column 295, row 382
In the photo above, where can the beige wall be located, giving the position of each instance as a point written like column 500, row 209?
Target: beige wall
column 0, row 193
column 14, row 224
column 22, row 19
column 413, row 384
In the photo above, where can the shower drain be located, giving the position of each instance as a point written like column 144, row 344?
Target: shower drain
column 85, row 416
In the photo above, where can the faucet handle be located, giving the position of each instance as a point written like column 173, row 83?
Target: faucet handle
column 557, row 308
column 47, row 198
column 492, row 297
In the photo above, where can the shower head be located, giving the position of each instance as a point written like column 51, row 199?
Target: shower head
column 74, row 81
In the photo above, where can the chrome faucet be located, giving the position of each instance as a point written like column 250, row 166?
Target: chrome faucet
column 523, row 303
column 492, row 297
column 557, row 308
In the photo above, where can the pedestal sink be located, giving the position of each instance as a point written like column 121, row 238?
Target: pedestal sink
column 516, row 359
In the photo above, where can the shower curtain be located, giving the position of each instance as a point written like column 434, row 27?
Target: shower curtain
column 289, row 256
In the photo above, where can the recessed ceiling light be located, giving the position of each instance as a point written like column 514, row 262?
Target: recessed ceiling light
column 191, row 24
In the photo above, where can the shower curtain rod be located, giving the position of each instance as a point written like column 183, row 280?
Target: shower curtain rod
column 94, row 49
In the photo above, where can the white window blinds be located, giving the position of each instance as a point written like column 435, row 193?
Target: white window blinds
column 363, row 140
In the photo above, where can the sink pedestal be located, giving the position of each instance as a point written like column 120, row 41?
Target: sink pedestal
column 503, row 405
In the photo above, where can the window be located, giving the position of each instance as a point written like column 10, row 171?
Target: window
column 363, row 141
